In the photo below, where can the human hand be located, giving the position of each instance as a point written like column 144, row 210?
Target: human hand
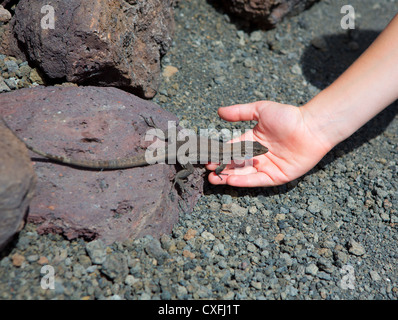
column 294, row 146
column 298, row 138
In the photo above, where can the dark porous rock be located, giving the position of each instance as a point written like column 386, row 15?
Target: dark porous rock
column 4, row 3
column 155, row 250
column 265, row 13
column 98, row 42
column 17, row 183
column 97, row 124
column 115, row 266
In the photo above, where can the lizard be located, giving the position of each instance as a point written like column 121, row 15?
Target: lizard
column 205, row 150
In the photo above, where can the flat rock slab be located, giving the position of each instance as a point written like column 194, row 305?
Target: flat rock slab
column 97, row 124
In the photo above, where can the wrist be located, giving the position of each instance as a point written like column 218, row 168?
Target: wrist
column 328, row 125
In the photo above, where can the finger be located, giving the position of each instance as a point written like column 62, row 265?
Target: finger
column 235, row 169
column 248, row 135
column 258, row 179
column 240, row 171
column 211, row 166
column 214, row 179
column 235, row 164
column 241, row 112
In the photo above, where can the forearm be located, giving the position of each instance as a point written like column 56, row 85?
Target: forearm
column 362, row 91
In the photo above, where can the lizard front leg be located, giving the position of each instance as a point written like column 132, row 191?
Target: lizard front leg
column 162, row 134
column 219, row 169
column 187, row 170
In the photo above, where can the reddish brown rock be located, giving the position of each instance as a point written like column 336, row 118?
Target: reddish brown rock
column 9, row 44
column 265, row 13
column 5, row 15
column 17, row 183
column 17, row 259
column 97, row 42
column 96, row 123
column 5, row 2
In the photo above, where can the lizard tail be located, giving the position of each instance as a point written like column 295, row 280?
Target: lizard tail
column 91, row 164
column 113, row 164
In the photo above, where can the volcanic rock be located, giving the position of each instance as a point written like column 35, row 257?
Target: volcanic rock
column 17, row 183
column 102, row 124
column 96, row 42
column 5, row 15
column 265, row 13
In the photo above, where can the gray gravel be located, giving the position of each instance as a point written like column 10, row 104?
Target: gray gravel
column 16, row 74
column 331, row 234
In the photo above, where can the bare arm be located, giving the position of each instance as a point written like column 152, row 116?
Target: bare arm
column 298, row 138
column 362, row 91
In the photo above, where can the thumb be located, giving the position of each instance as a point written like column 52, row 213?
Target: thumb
column 241, row 112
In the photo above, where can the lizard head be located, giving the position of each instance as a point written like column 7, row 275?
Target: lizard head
column 247, row 149
column 253, row 148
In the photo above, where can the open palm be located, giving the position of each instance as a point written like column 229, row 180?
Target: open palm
column 294, row 148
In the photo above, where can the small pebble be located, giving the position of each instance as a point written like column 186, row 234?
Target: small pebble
column 285, row 242
column 42, row 260
column 5, row 15
column 256, row 36
column 32, row 258
column 17, row 259
column 311, row 269
column 356, row 248
column 374, row 275
column 169, row 71
column 97, row 251
column 191, row 233
column 208, row 236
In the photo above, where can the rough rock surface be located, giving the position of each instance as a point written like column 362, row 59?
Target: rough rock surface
column 265, row 13
column 5, row 2
column 5, row 15
column 97, row 42
column 17, row 183
column 96, row 123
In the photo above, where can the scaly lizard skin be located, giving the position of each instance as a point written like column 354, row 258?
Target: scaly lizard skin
column 196, row 149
